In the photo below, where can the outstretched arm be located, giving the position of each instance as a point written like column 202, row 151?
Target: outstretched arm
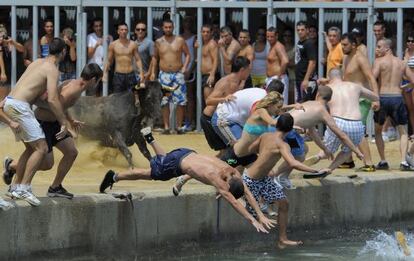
column 288, row 157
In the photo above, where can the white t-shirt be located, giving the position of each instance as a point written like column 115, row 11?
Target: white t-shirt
column 98, row 56
column 238, row 110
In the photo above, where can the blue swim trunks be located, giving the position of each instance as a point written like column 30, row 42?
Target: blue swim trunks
column 295, row 141
column 166, row 167
column 174, row 79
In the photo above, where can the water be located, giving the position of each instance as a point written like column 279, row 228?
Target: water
column 378, row 245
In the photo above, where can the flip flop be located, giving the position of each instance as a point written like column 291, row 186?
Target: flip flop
column 315, row 175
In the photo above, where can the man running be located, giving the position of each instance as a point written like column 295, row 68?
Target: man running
column 40, row 77
column 70, row 91
column 389, row 71
column 206, row 169
column 277, row 61
column 169, row 50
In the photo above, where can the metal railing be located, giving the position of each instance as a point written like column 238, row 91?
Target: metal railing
column 272, row 7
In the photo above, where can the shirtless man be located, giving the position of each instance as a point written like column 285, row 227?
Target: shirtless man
column 357, row 69
column 246, row 50
column 223, row 91
column 209, row 61
column 169, row 50
column 206, row 169
column 70, row 91
column 344, row 109
column 229, row 48
column 40, row 77
column 277, row 61
column 314, row 113
column 124, row 51
column 389, row 70
column 47, row 38
column 271, row 148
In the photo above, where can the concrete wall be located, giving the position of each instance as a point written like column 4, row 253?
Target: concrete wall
column 102, row 225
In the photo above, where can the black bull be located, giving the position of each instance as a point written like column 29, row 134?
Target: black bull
column 115, row 121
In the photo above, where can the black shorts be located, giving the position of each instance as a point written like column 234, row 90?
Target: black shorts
column 213, row 139
column 248, row 83
column 51, row 128
column 393, row 107
column 166, row 167
column 124, row 81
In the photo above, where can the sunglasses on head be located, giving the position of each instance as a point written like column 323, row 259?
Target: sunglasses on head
column 140, row 29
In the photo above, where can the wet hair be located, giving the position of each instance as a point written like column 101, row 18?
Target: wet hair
column 270, row 99
column 56, row 46
column 245, row 31
column 90, row 71
column 226, row 29
column 238, row 63
column 121, row 24
column 335, row 73
column 272, row 30
column 236, row 187
column 276, row 86
column 334, row 29
column 351, row 37
column 167, row 21
column 284, row 122
column 325, row 92
column 302, row 23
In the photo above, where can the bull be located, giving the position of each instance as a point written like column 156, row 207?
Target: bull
column 116, row 121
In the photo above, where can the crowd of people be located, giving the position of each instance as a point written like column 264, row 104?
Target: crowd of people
column 250, row 116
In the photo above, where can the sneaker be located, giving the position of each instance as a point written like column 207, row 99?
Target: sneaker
column 7, row 172
column 347, row 165
column 5, row 205
column 59, row 192
column 108, row 181
column 285, row 182
column 179, row 183
column 166, row 131
column 367, row 168
column 406, row 167
column 382, row 165
column 27, row 196
column 410, row 160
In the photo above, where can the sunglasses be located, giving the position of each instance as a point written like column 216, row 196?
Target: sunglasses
column 140, row 29
column 410, row 41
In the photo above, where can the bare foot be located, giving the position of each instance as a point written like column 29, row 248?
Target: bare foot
column 288, row 243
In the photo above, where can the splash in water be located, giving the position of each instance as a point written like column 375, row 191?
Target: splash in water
column 387, row 247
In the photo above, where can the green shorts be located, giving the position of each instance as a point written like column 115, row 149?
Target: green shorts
column 364, row 108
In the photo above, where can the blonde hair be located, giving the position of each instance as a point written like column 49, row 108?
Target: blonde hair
column 270, row 99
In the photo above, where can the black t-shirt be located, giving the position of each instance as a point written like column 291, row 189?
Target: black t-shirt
column 305, row 51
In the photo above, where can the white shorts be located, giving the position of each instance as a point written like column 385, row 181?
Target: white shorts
column 20, row 112
column 285, row 80
column 353, row 129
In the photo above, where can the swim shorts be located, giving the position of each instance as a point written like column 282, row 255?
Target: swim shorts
column 264, row 188
column 51, row 128
column 228, row 131
column 364, row 108
column 20, row 112
column 394, row 107
column 173, row 79
column 354, row 129
column 295, row 141
column 213, row 139
column 166, row 167
column 124, row 81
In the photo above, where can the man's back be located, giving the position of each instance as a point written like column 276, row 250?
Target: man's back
column 345, row 100
column 391, row 70
column 32, row 84
column 311, row 115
